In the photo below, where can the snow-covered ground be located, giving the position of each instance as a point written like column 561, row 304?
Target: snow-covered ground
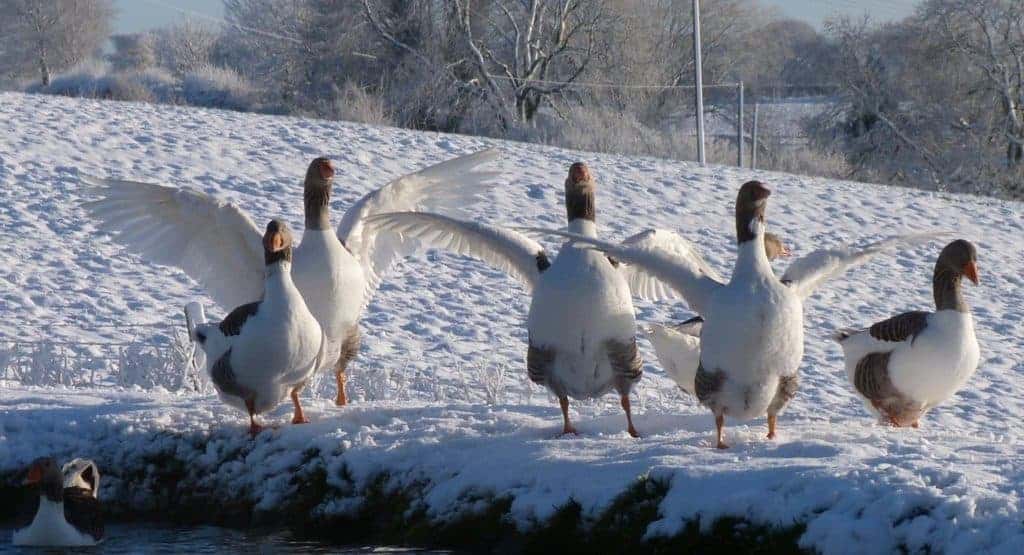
column 441, row 395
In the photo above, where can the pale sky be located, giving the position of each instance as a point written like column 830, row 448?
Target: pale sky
column 139, row 15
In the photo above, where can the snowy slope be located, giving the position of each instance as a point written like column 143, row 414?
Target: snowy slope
column 443, row 328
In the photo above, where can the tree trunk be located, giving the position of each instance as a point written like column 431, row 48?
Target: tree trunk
column 44, row 68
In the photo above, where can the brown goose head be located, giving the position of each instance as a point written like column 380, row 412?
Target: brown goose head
column 317, row 193
column 579, row 193
column 957, row 260
column 277, row 243
column 750, row 207
column 44, row 474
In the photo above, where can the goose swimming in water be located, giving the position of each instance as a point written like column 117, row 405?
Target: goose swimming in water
column 66, row 512
column 752, row 338
column 337, row 271
column 904, row 366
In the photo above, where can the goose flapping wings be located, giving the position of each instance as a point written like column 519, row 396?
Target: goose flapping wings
column 674, row 261
column 219, row 245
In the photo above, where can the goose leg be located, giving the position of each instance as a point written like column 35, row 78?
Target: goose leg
column 349, row 349
column 787, row 388
column 624, row 358
column 629, row 415
column 298, row 418
column 567, row 427
column 720, row 426
column 254, row 428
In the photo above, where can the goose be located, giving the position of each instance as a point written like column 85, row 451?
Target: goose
column 264, row 351
column 904, row 366
column 218, row 244
column 752, row 337
column 581, row 324
column 678, row 346
column 82, row 473
column 61, row 515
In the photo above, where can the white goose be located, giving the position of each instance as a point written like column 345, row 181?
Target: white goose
column 752, row 338
column 904, row 366
column 582, row 331
column 66, row 515
column 264, row 351
column 218, row 244
column 678, row 346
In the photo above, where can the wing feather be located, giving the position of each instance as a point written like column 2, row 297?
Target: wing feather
column 452, row 186
column 504, row 249
column 643, row 284
column 211, row 240
column 809, row 272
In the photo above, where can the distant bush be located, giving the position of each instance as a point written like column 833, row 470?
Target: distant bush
column 217, row 87
column 353, row 103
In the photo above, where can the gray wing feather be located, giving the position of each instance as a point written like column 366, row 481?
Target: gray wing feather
column 900, row 328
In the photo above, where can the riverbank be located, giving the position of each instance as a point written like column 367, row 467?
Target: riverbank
column 474, row 476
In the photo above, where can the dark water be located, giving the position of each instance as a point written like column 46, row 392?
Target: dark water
column 154, row 538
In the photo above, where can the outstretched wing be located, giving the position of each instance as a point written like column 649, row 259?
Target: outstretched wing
column 680, row 272
column 809, row 272
column 211, row 240
column 504, row 249
column 451, row 186
column 644, row 284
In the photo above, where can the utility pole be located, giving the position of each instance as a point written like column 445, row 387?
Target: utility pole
column 739, row 127
column 753, row 140
column 699, row 82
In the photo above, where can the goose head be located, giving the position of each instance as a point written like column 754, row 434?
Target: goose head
column 316, row 192
column 44, row 474
column 277, row 243
column 750, row 208
column 319, row 174
column 82, row 473
column 579, row 193
column 957, row 260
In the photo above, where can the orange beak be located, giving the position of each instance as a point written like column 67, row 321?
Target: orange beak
column 326, row 169
column 786, row 253
column 276, row 242
column 971, row 271
column 34, row 475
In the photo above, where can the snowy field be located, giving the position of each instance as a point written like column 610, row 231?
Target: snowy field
column 440, row 389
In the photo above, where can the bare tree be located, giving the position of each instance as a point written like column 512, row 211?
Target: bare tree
column 529, row 51
column 51, row 35
column 186, row 45
column 990, row 35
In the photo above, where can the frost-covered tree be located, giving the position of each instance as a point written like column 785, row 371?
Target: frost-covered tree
column 186, row 46
column 132, row 52
column 42, row 37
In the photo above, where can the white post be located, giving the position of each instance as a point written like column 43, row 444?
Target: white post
column 739, row 127
column 698, row 82
column 753, row 140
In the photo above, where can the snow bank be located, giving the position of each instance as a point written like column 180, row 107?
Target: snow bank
column 444, row 330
